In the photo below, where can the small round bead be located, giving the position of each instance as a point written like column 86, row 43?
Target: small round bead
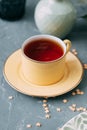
column 44, row 101
column 75, row 53
column 73, row 50
column 45, row 105
column 29, row 126
column 38, row 124
column 73, row 93
column 81, row 92
column 84, row 109
column 46, row 108
column 81, row 108
column 78, row 109
column 58, row 109
column 77, row 90
column 47, row 111
column 47, row 116
column 73, row 105
column 10, row 97
column 72, row 108
column 65, row 100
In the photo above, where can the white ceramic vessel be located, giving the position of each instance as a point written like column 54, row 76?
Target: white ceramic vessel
column 55, row 17
column 79, row 122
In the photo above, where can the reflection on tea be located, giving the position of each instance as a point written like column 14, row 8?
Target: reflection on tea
column 43, row 50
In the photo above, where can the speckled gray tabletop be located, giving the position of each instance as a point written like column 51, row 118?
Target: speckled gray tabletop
column 16, row 113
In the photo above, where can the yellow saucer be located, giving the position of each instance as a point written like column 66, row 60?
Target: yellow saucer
column 72, row 77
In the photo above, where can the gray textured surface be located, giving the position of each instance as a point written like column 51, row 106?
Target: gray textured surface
column 81, row 7
column 15, row 114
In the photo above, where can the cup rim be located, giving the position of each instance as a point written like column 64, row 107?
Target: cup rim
column 45, row 36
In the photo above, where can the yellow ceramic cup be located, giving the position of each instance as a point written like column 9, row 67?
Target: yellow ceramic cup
column 46, row 72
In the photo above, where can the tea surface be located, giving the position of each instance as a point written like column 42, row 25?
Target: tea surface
column 43, row 50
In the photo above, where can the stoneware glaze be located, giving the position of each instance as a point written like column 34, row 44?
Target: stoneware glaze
column 79, row 122
column 55, row 17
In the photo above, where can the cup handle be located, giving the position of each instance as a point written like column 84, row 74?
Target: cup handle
column 68, row 45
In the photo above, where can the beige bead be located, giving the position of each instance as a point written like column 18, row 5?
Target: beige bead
column 74, row 105
column 38, row 124
column 48, row 116
column 46, row 108
column 75, row 53
column 77, row 90
column 78, row 109
column 84, row 109
column 81, row 108
column 81, row 92
column 47, row 111
column 44, row 101
column 65, row 100
column 58, row 109
column 72, row 108
column 10, row 97
column 29, row 126
column 73, row 50
column 85, row 66
column 73, row 93
column 45, row 105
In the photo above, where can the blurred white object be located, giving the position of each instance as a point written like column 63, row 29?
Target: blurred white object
column 55, row 17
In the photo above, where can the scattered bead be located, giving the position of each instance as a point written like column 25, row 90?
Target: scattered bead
column 44, row 101
column 84, row 109
column 85, row 66
column 73, row 105
column 72, row 108
column 78, row 109
column 47, row 116
column 81, row 92
column 65, row 101
column 45, row 105
column 75, row 53
column 77, row 90
column 73, row 50
column 81, row 108
column 73, row 93
column 46, row 108
column 29, row 126
column 47, row 111
column 10, row 97
column 58, row 109
column 38, row 124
